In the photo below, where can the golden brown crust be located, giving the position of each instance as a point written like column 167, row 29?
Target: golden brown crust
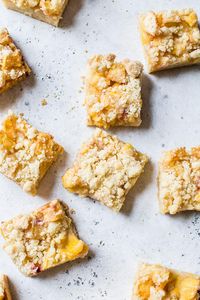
column 170, row 38
column 43, row 239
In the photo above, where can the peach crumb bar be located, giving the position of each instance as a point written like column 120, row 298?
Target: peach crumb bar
column 179, row 180
column 170, row 38
column 49, row 11
column 113, row 92
column 105, row 170
column 4, row 288
column 155, row 282
column 13, row 68
column 43, row 239
column 25, row 153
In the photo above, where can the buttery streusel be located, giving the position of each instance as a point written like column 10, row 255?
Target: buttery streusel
column 49, row 11
column 113, row 92
column 179, row 180
column 26, row 153
column 43, row 239
column 105, row 170
column 13, row 68
column 4, row 288
column 170, row 38
column 155, row 282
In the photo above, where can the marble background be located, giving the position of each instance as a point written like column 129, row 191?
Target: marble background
column 171, row 118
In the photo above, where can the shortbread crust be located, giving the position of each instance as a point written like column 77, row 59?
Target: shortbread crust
column 170, row 38
column 4, row 288
column 105, row 170
column 113, row 92
column 26, row 153
column 48, row 11
column 155, row 282
column 179, row 180
column 13, row 68
column 43, row 239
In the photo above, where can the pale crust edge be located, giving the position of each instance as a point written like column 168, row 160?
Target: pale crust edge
column 36, row 15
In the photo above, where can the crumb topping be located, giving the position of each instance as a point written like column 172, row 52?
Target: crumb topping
column 12, row 66
column 179, row 180
column 113, row 92
column 43, row 239
column 170, row 38
column 155, row 282
column 105, row 169
column 26, row 153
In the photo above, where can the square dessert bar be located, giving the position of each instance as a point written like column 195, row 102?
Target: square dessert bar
column 43, row 239
column 113, row 92
column 155, row 282
column 179, row 180
column 105, row 170
column 26, row 153
column 13, row 68
column 170, row 38
column 4, row 288
column 49, row 11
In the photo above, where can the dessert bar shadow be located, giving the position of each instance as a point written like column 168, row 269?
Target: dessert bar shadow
column 72, row 9
column 13, row 94
column 53, row 175
column 146, row 113
column 143, row 181
column 13, row 291
column 64, row 268
column 176, row 72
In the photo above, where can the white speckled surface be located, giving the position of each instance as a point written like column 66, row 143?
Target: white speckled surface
column 171, row 117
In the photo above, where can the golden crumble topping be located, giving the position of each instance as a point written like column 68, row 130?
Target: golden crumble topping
column 26, row 153
column 4, row 288
column 42, row 240
column 49, row 11
column 113, row 92
column 155, row 282
column 170, row 38
column 12, row 66
column 179, row 180
column 105, row 170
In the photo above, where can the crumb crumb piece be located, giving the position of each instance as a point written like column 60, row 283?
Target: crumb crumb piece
column 105, row 170
column 43, row 239
column 13, row 68
column 44, row 102
column 155, row 282
column 170, row 38
column 113, row 92
column 26, row 153
column 179, row 180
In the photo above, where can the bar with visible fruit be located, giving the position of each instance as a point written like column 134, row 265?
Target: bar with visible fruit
column 170, row 38
column 105, row 169
column 113, row 92
column 43, row 239
column 26, row 153
column 154, row 282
